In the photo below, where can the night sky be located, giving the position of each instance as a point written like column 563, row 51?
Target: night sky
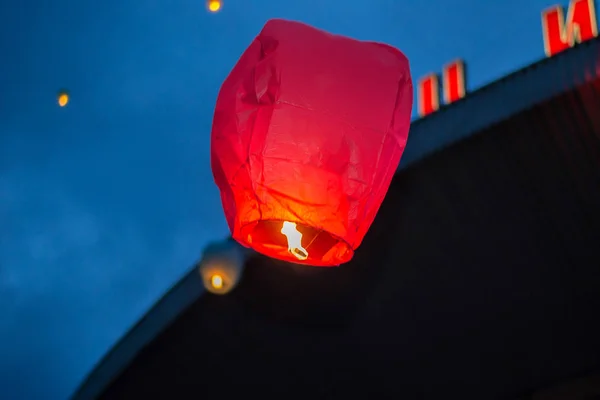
column 106, row 203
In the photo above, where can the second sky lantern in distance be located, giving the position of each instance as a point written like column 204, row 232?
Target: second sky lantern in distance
column 308, row 131
column 213, row 5
column 62, row 97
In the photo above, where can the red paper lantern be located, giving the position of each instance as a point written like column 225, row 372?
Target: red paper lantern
column 308, row 131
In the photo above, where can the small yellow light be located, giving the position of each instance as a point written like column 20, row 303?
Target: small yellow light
column 214, row 5
column 63, row 99
column 216, row 281
column 294, row 239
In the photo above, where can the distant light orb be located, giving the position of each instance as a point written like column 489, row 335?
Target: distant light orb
column 216, row 281
column 63, row 98
column 221, row 266
column 214, row 5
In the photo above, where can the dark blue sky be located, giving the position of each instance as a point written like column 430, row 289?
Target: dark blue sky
column 106, row 203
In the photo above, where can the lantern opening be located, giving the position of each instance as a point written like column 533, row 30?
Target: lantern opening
column 294, row 240
column 296, row 243
column 216, row 281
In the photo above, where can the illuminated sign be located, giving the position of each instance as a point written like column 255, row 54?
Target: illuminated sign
column 453, row 87
column 559, row 32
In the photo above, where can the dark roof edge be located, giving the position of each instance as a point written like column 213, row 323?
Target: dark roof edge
column 159, row 317
column 502, row 99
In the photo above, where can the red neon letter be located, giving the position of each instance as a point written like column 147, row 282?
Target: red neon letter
column 428, row 94
column 560, row 33
column 453, row 81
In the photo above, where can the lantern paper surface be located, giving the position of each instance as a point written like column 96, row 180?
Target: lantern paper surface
column 309, row 128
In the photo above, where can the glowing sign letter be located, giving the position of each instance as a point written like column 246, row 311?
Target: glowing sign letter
column 428, row 93
column 453, row 79
column 561, row 33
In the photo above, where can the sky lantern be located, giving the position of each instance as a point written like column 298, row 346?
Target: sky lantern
column 62, row 98
column 308, row 131
column 214, row 5
column 221, row 266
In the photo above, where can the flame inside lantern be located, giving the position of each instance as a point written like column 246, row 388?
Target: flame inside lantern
column 216, row 281
column 294, row 240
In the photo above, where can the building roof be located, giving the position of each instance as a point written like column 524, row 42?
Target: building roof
column 520, row 146
column 502, row 99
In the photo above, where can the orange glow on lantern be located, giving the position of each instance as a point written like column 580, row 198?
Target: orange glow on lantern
column 216, row 281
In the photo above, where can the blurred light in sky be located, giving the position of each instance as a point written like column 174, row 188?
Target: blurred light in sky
column 214, row 5
column 63, row 98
